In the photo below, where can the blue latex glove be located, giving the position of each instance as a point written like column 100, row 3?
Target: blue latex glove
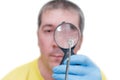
column 81, row 68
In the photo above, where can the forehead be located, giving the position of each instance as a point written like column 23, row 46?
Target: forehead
column 56, row 16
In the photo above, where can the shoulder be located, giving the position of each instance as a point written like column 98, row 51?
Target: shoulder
column 103, row 76
column 21, row 72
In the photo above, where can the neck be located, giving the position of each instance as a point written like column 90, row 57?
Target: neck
column 45, row 72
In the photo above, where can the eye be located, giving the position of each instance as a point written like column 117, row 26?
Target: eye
column 48, row 31
column 48, row 28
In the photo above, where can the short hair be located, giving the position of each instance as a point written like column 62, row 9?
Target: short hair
column 65, row 5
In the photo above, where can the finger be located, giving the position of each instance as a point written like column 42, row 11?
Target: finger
column 59, row 69
column 79, row 70
column 70, row 77
column 76, row 70
column 59, row 76
column 80, row 60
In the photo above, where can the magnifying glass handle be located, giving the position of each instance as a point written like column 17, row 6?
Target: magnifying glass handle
column 66, row 54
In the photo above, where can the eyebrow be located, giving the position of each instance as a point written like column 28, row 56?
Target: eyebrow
column 47, row 25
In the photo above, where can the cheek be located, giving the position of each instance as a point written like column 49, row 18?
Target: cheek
column 43, row 47
column 44, row 43
column 78, row 46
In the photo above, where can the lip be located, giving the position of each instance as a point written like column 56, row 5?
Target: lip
column 57, row 55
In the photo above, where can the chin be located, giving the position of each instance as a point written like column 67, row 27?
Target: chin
column 55, row 64
column 55, row 61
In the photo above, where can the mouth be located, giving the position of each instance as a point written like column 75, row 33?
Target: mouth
column 57, row 56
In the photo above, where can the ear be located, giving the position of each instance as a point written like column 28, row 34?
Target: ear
column 37, row 32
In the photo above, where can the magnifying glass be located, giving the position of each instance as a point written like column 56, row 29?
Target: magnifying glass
column 66, row 36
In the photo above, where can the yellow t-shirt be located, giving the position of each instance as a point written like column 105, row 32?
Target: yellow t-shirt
column 29, row 71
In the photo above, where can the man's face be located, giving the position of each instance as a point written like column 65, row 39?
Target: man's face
column 51, row 54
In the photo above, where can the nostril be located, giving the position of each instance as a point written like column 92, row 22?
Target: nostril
column 54, row 44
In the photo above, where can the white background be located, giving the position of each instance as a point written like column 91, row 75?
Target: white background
column 18, row 40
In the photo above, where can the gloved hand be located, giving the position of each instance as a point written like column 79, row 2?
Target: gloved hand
column 80, row 68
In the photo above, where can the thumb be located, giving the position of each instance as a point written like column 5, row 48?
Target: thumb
column 80, row 60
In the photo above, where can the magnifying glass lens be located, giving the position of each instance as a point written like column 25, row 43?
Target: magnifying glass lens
column 66, row 33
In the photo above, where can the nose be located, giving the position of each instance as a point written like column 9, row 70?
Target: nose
column 54, row 44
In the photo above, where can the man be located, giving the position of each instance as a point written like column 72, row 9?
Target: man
column 48, row 67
